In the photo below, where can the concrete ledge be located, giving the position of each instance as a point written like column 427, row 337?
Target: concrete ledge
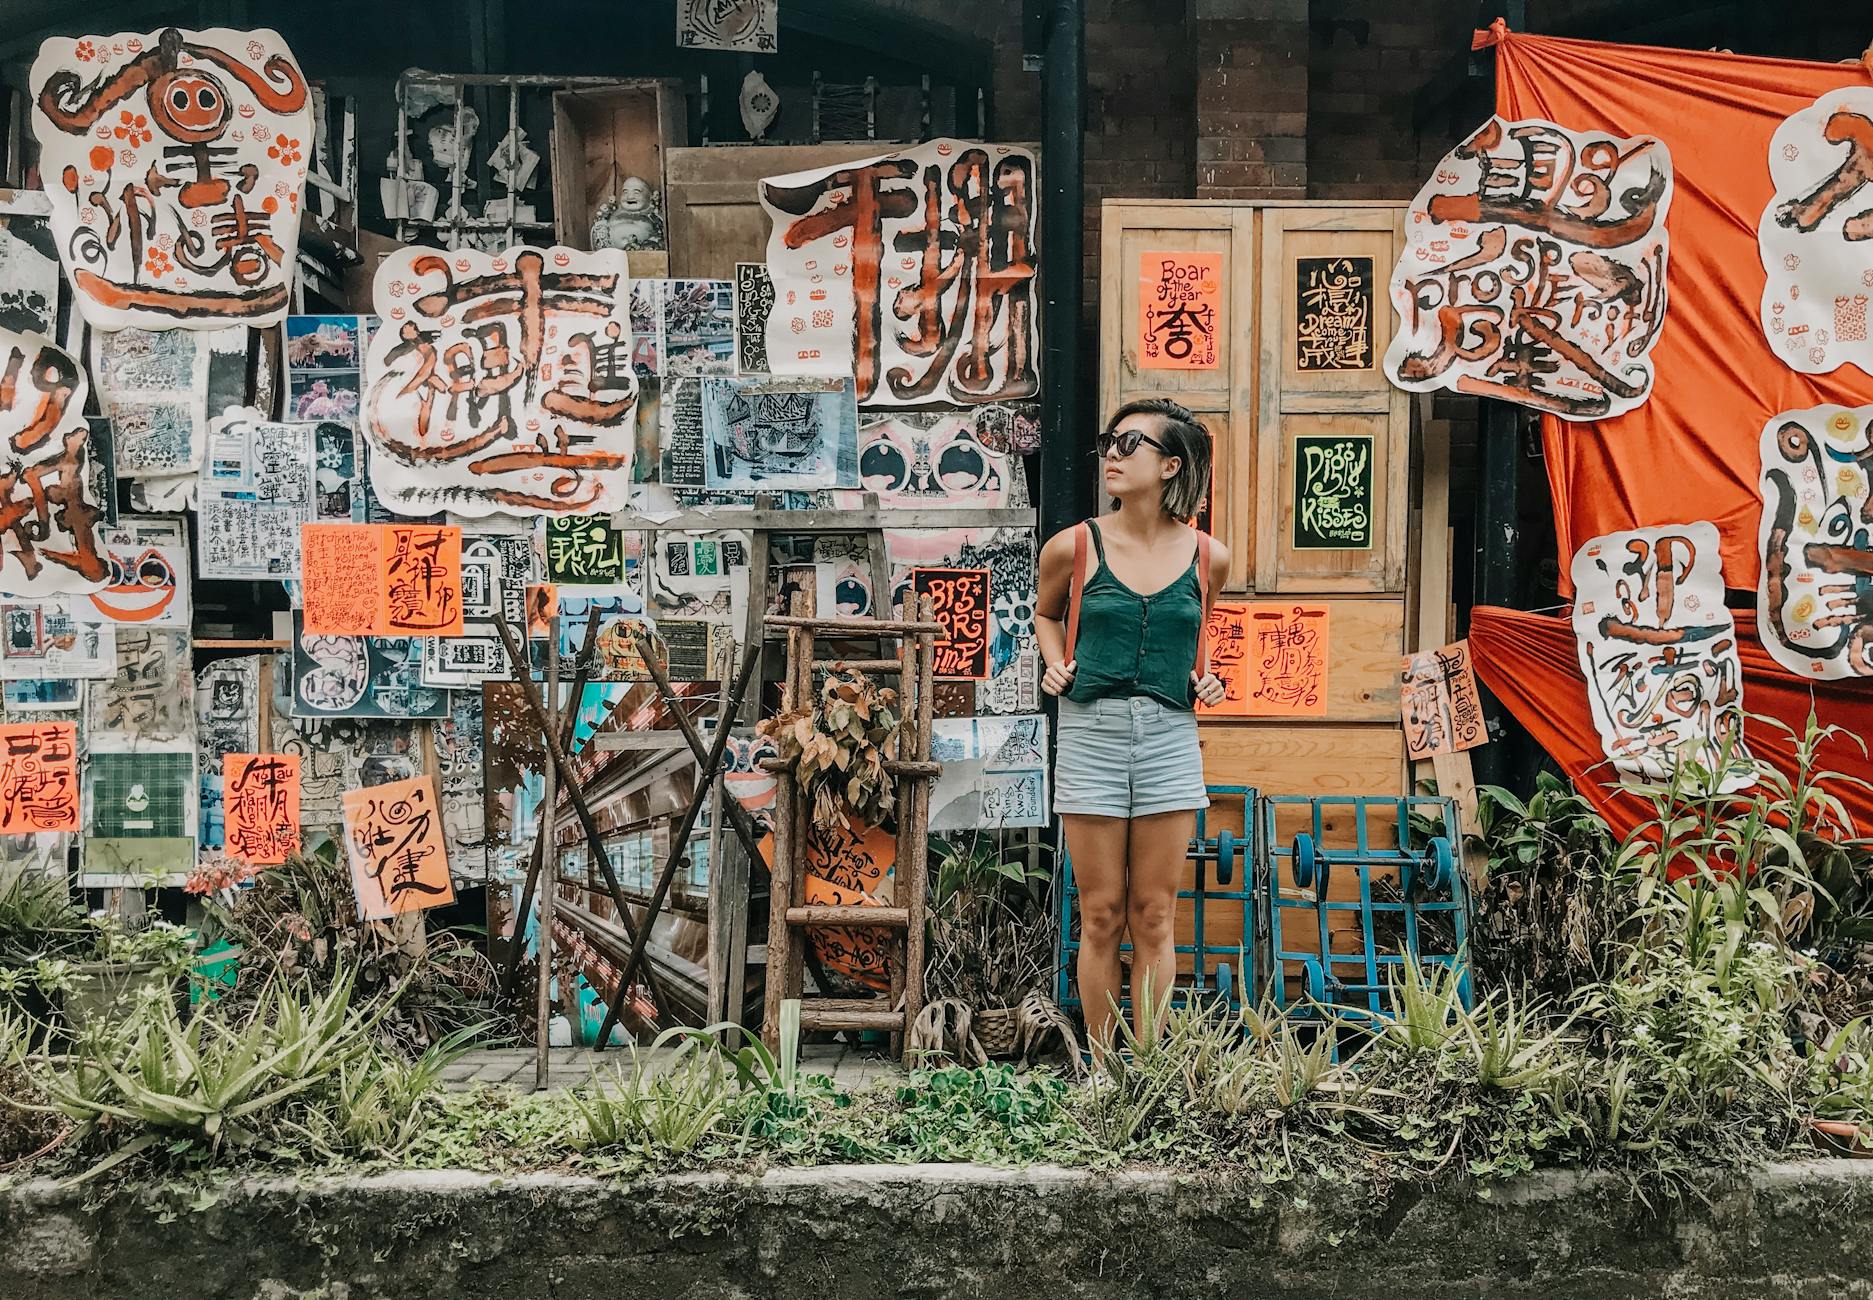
column 937, row 1230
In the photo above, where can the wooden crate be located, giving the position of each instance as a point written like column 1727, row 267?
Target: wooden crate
column 602, row 135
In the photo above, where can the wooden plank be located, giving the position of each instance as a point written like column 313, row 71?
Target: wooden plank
column 635, row 741
column 800, row 523
column 1296, row 758
column 896, row 918
column 811, row 1018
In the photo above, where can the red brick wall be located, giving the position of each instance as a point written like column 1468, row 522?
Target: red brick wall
column 1252, row 98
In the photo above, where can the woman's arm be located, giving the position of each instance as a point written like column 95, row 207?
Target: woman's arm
column 1210, row 689
column 1050, row 611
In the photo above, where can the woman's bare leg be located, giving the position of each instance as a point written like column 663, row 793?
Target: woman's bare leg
column 1158, row 855
column 1098, row 847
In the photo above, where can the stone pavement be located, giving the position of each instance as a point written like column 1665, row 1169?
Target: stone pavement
column 569, row 1067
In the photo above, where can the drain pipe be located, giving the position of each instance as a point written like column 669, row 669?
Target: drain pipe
column 1066, row 443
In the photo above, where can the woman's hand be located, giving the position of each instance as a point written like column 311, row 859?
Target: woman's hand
column 1210, row 689
column 1058, row 681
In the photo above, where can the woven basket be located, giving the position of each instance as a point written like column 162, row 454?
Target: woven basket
column 997, row 1029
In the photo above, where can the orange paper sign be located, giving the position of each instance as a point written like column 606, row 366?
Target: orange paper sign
column 1287, row 660
column 1443, row 713
column 339, row 566
column 422, row 581
column 542, row 604
column 1229, row 659
column 260, row 807
column 38, row 777
column 393, row 837
column 1180, row 310
column 850, row 866
column 959, row 600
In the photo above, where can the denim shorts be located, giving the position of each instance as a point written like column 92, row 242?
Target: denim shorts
column 1127, row 757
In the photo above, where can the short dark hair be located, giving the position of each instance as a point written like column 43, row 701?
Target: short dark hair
column 1185, row 437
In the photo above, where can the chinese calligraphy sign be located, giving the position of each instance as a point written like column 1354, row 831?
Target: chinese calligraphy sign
column 1287, row 660
column 422, row 581
column 49, row 508
column 394, row 841
column 1333, row 492
column 1658, row 650
column 1534, row 270
column 959, row 599
column 1229, row 659
column 1812, row 236
column 1815, row 595
column 1180, row 310
column 502, row 382
column 1443, row 713
column 914, row 272
column 38, row 777
column 260, row 807
column 741, row 26
column 335, row 559
column 1333, row 313
column 583, row 549
column 754, row 302
column 174, row 163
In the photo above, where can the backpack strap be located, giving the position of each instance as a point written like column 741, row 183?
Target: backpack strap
column 1081, row 565
column 1203, row 604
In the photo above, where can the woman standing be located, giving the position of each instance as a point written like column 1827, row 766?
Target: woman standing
column 1130, row 594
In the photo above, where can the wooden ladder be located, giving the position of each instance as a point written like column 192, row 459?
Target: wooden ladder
column 788, row 915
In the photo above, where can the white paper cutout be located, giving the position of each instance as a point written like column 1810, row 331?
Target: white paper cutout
column 1813, row 613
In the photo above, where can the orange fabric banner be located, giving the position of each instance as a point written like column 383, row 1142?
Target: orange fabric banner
column 1691, row 451
column 1530, row 663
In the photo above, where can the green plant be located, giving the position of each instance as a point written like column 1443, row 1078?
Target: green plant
column 37, row 916
column 658, row 1111
column 838, row 750
column 989, row 932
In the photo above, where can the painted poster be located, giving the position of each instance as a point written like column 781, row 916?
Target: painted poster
column 422, row 581
column 158, row 388
column 260, row 807
column 394, row 842
column 994, row 773
column 850, row 866
column 140, row 823
column 754, row 303
column 1658, row 650
column 335, row 471
column 256, row 489
column 501, row 383
column 324, row 368
column 959, row 600
column 1229, row 641
column 584, row 550
column 913, row 459
column 148, row 579
column 227, row 721
column 150, row 702
column 1288, row 658
column 740, row 26
column 779, row 433
column 1333, row 492
column 1013, row 684
column 699, row 576
column 1818, row 271
column 38, row 777
column 1333, row 313
column 1437, row 695
column 697, row 328
column 1534, row 270
column 29, row 265
column 1180, row 310
column 1817, row 543
column 458, row 763
column 43, row 639
column 336, row 755
column 361, row 677
column 174, row 162
column 915, row 272
column 51, row 510
column 679, row 434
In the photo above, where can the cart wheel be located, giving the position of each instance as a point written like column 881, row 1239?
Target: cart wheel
column 1316, row 981
column 1304, row 860
column 1443, row 863
column 1226, row 849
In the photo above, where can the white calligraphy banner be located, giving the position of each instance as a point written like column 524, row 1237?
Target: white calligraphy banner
column 174, row 163
column 1817, row 546
column 501, row 383
column 913, row 272
column 1813, row 236
column 1658, row 649
column 50, row 503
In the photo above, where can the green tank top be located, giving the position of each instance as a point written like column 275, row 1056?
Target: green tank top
column 1136, row 645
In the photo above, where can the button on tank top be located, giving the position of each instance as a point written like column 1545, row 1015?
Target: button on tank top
column 1136, row 645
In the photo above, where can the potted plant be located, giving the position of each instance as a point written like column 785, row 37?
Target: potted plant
column 990, row 945
column 125, row 961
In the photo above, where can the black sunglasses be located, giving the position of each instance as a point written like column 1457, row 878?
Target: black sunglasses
column 1127, row 443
